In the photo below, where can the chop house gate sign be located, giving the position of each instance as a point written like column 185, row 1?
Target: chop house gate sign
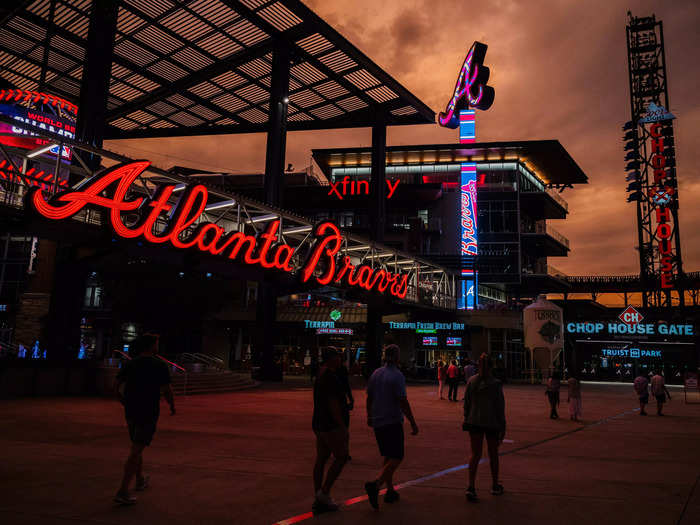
column 184, row 230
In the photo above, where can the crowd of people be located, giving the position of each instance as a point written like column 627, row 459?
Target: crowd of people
column 142, row 381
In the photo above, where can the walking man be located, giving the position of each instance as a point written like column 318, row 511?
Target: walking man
column 641, row 387
column 452, row 380
column 386, row 405
column 144, row 379
column 658, row 388
column 329, row 425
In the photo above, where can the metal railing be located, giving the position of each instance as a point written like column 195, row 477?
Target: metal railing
column 208, row 360
column 560, row 200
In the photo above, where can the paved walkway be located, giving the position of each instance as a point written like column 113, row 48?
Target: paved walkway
column 245, row 458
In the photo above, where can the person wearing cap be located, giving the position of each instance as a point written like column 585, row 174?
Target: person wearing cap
column 386, row 405
column 329, row 425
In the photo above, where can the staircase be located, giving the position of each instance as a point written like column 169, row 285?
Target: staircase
column 211, row 381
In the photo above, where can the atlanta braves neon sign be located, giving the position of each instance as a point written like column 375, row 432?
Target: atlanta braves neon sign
column 184, row 230
column 471, row 89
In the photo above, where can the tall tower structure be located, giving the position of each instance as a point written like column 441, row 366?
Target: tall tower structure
column 651, row 164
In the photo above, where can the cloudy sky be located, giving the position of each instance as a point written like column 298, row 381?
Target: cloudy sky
column 559, row 68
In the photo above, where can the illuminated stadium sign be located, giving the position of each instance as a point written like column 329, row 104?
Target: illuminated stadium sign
column 136, row 219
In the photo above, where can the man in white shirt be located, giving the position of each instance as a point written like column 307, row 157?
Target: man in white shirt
column 658, row 388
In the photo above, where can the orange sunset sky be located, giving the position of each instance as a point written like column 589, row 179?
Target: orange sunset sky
column 559, row 68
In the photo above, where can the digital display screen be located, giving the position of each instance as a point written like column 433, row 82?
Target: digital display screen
column 430, row 341
column 454, row 341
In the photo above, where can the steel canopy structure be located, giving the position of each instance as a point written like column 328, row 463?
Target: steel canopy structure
column 198, row 67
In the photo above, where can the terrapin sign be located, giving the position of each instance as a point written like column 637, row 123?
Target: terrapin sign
column 136, row 218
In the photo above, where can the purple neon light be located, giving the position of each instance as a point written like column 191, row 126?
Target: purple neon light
column 466, row 77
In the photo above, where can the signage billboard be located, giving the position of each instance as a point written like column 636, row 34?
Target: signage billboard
column 430, row 340
column 321, row 263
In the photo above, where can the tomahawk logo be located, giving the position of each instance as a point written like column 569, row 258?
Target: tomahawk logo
column 630, row 316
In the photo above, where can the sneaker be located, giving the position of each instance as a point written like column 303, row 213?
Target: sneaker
column 320, row 508
column 326, row 499
column 471, row 495
column 391, row 496
column 372, row 490
column 124, row 498
column 497, row 490
column 142, row 483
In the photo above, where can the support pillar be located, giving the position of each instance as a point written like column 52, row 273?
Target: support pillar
column 97, row 69
column 377, row 214
column 63, row 323
column 274, row 173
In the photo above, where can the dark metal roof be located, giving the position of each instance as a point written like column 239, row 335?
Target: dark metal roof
column 188, row 67
column 547, row 158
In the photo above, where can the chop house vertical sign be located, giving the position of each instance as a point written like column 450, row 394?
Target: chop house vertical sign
column 135, row 218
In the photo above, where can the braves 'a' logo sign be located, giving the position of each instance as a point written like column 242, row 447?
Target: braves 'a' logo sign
column 471, row 89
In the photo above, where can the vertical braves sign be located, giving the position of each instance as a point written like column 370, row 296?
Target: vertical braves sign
column 470, row 91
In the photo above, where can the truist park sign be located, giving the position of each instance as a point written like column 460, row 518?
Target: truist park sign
column 136, row 218
column 470, row 91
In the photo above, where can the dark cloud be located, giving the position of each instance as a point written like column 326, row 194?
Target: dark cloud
column 559, row 68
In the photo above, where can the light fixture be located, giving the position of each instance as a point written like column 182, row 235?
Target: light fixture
column 297, row 229
column 39, row 151
column 285, row 100
column 219, row 205
column 262, row 218
column 357, row 248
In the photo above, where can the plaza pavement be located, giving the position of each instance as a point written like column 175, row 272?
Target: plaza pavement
column 246, row 457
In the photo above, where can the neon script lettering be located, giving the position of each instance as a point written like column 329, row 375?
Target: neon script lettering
column 184, row 230
column 468, row 217
column 662, row 196
column 360, row 187
column 470, row 89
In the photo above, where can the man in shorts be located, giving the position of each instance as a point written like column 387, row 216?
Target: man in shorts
column 330, row 427
column 641, row 387
column 386, row 405
column 144, row 379
column 658, row 388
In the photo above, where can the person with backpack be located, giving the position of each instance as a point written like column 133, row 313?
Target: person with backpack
column 484, row 416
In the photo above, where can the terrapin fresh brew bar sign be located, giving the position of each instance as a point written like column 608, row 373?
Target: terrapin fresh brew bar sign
column 136, row 218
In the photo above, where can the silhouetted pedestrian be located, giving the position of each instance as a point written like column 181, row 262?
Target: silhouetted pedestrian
column 144, row 379
column 442, row 375
column 386, row 405
column 658, row 388
column 452, row 380
column 329, row 426
column 574, row 398
column 349, row 400
column 641, row 387
column 552, row 393
column 484, row 416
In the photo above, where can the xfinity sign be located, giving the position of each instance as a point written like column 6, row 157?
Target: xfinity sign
column 631, row 316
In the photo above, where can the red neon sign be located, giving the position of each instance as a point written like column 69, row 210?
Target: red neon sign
column 360, row 187
column 262, row 250
column 662, row 195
